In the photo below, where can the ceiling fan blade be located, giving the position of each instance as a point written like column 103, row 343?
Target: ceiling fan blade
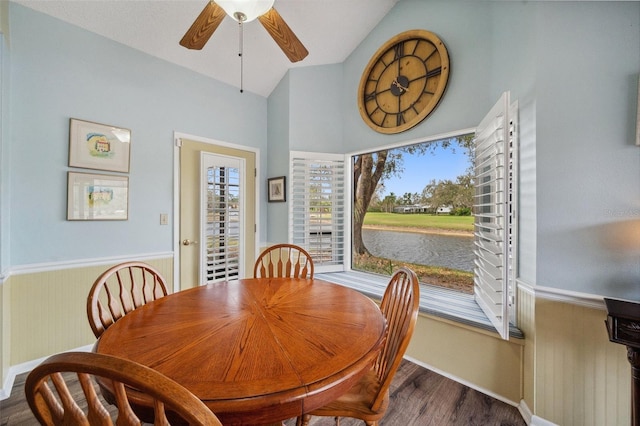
column 283, row 36
column 203, row 27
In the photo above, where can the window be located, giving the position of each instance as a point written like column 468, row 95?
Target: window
column 412, row 207
column 318, row 208
column 318, row 219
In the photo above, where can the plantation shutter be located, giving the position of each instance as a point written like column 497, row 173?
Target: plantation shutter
column 317, row 208
column 494, row 212
column 221, row 219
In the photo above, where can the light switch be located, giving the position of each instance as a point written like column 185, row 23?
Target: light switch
column 164, row 219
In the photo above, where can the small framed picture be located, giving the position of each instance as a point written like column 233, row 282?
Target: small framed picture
column 98, row 146
column 276, row 189
column 97, row 197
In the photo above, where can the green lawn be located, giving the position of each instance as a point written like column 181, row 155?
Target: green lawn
column 425, row 221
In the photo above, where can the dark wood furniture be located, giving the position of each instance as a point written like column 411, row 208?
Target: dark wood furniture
column 284, row 260
column 121, row 289
column 53, row 404
column 368, row 399
column 623, row 326
column 255, row 351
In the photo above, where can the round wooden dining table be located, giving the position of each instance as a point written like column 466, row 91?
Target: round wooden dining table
column 255, row 351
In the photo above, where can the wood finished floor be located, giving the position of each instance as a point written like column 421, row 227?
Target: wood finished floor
column 419, row 397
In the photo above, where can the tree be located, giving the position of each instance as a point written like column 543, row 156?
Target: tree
column 371, row 169
column 446, row 193
column 407, row 198
column 389, row 202
column 377, row 199
column 367, row 172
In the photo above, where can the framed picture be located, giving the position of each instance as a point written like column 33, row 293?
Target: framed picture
column 97, row 197
column 98, row 146
column 276, row 189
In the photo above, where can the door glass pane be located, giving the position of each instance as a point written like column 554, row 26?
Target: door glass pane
column 221, row 230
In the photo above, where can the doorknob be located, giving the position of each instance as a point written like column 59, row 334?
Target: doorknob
column 186, row 242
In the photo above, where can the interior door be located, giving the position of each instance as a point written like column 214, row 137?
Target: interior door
column 217, row 213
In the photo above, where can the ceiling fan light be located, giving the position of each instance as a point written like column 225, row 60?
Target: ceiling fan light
column 250, row 9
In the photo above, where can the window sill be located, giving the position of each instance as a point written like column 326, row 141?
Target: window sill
column 437, row 301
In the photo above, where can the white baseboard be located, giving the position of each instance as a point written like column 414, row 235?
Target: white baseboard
column 525, row 412
column 16, row 370
column 539, row 421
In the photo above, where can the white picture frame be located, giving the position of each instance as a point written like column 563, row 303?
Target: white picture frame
column 97, row 196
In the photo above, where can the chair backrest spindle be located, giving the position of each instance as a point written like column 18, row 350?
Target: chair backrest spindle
column 121, row 289
column 54, row 404
column 284, row 260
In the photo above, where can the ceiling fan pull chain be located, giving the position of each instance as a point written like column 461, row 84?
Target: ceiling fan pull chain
column 241, row 56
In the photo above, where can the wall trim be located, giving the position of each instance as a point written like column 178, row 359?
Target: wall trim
column 565, row 296
column 16, row 370
column 539, row 421
column 525, row 411
column 83, row 263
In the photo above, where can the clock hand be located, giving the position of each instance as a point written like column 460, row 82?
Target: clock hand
column 431, row 73
column 381, row 91
column 399, row 86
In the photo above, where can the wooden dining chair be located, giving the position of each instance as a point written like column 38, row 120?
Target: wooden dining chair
column 284, row 260
column 121, row 289
column 368, row 399
column 54, row 400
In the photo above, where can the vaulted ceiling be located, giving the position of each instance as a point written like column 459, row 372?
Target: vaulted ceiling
column 329, row 29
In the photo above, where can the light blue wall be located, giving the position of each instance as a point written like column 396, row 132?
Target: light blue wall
column 573, row 67
column 304, row 114
column 588, row 167
column 5, row 155
column 59, row 71
column 278, row 159
column 316, row 108
column 514, row 28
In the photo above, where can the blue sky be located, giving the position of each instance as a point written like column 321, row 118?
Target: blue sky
column 420, row 169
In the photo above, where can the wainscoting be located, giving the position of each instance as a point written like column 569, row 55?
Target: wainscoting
column 44, row 309
column 565, row 371
column 572, row 374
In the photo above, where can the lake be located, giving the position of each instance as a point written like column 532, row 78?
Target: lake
column 449, row 251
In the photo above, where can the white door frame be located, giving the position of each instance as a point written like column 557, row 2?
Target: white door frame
column 177, row 142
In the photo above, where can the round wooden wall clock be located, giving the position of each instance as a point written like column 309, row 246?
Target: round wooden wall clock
column 404, row 81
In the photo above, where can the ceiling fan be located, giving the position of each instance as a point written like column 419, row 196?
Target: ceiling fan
column 244, row 11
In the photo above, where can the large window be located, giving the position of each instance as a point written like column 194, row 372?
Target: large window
column 412, row 207
column 480, row 202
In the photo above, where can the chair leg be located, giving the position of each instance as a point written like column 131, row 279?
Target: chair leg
column 337, row 421
column 303, row 420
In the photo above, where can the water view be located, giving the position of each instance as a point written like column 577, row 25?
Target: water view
column 449, row 251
